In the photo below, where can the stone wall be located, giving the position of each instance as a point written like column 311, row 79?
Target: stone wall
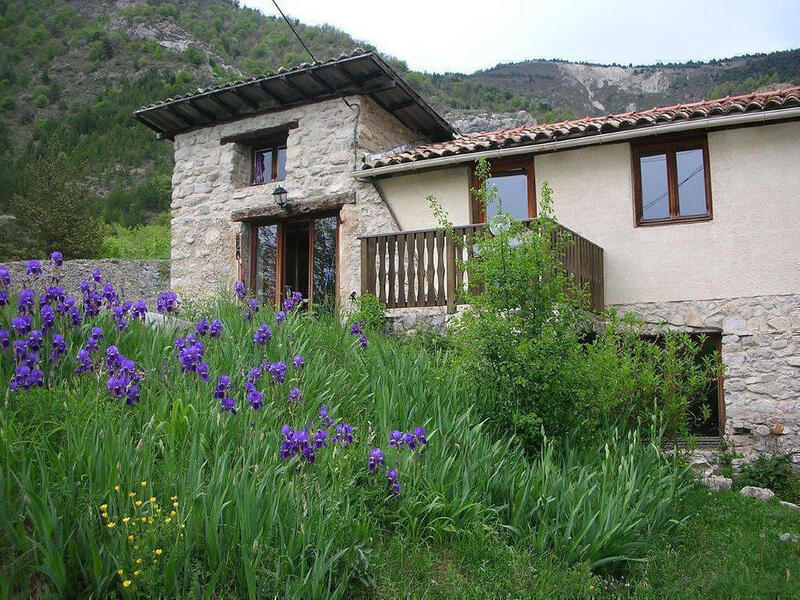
column 133, row 279
column 210, row 182
column 761, row 353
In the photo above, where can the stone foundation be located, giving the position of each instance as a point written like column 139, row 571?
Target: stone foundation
column 403, row 321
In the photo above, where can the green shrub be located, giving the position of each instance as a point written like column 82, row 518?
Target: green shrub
column 40, row 101
column 525, row 349
column 138, row 242
column 371, row 312
column 775, row 473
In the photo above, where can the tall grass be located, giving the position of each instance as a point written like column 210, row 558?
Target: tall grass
column 255, row 525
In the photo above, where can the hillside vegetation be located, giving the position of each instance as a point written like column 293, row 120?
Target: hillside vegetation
column 73, row 71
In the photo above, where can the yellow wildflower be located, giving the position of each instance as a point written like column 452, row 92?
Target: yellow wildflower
column 138, row 561
column 105, row 515
column 168, row 520
column 132, row 494
column 182, row 525
column 130, row 538
column 152, row 499
column 138, row 503
column 136, row 547
column 136, row 573
column 104, row 507
column 110, row 525
column 116, row 488
column 126, row 583
column 143, row 484
column 125, row 520
column 173, row 498
column 150, row 520
column 158, row 551
column 144, row 519
column 172, row 513
column 120, row 572
column 175, row 504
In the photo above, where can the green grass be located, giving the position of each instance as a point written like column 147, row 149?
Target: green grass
column 476, row 518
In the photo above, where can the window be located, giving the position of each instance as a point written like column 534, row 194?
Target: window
column 516, row 192
column 269, row 162
column 672, row 181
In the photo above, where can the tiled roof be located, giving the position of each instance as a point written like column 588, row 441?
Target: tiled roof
column 588, row 126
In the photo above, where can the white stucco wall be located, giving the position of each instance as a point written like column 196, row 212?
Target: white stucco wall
column 750, row 248
column 407, row 196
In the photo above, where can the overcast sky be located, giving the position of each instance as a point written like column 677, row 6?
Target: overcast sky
column 466, row 35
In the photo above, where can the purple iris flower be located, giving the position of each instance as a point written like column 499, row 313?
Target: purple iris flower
column 215, row 329
column 57, row 259
column 278, row 371
column 5, row 275
column 109, row 294
column 254, row 374
column 410, row 440
column 396, row 439
column 255, row 398
column 75, row 316
column 355, row 329
column 48, row 318
column 239, row 290
column 27, row 300
column 26, row 377
column 34, row 340
column 320, row 439
column 223, row 383
column 394, row 484
column 421, row 434
column 362, row 341
column 85, row 363
column 344, row 434
column 262, row 334
column 280, row 317
column 34, row 268
column 292, row 301
column 132, row 395
column 97, row 276
column 375, row 459
column 251, row 309
column 298, row 362
column 118, row 313
column 58, row 347
column 295, row 395
column 202, row 327
column 4, row 339
column 21, row 325
column 3, row 297
column 139, row 309
column 168, row 302
column 228, row 404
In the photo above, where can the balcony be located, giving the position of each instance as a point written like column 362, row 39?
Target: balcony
column 411, row 269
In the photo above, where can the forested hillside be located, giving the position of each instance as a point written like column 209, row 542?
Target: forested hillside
column 71, row 73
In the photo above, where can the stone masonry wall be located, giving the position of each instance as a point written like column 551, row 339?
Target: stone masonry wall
column 761, row 353
column 133, row 279
column 210, row 181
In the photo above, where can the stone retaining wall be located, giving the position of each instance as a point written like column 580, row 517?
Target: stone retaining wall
column 133, row 279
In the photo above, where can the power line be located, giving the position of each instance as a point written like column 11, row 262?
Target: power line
column 294, row 31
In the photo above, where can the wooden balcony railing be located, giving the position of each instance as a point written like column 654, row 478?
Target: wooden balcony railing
column 420, row 268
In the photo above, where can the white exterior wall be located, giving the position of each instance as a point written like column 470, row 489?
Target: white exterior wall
column 407, row 196
column 751, row 247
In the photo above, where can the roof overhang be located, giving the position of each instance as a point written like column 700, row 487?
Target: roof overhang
column 539, row 147
column 359, row 74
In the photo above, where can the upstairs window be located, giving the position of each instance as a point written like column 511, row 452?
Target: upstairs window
column 269, row 161
column 516, row 193
column 672, row 181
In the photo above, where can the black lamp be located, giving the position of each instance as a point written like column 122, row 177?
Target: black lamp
column 279, row 195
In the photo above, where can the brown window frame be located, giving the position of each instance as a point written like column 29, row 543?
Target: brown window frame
column 273, row 145
column 670, row 147
column 478, row 211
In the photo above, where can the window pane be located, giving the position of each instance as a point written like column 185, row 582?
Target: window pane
column 262, row 166
column 655, row 193
column 691, row 183
column 324, row 263
column 512, row 191
column 266, row 263
column 281, row 163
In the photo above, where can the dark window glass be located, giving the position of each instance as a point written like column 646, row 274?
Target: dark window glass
column 262, row 166
column 281, row 164
column 295, row 257
column 324, row 263
column 266, row 263
column 512, row 193
column 655, row 191
column 691, row 183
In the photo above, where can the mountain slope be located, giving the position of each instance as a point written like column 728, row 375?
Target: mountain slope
column 74, row 70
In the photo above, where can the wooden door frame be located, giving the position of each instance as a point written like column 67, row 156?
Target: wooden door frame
column 280, row 276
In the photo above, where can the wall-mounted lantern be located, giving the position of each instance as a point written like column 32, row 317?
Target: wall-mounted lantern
column 280, row 196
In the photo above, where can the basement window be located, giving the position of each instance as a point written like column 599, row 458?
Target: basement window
column 672, row 181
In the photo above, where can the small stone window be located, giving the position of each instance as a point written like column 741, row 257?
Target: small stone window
column 269, row 161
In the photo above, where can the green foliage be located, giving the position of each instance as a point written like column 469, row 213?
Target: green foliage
column 194, row 55
column 370, row 311
column 528, row 352
column 52, row 210
column 139, row 241
column 258, row 526
column 775, row 472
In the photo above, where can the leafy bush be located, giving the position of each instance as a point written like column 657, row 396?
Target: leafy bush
column 370, row 312
column 139, row 241
column 525, row 352
column 775, row 472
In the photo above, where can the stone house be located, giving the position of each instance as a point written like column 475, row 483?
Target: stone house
column 316, row 178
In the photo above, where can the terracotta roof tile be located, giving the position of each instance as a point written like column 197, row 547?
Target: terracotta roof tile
column 534, row 134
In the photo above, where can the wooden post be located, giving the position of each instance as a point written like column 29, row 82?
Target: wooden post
column 451, row 276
